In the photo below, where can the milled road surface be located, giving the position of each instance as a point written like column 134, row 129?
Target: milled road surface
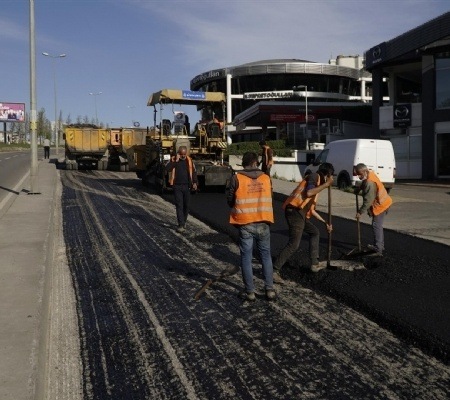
column 142, row 336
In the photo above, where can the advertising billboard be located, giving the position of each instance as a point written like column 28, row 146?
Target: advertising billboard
column 12, row 112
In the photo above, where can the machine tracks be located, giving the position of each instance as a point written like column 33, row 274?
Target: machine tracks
column 142, row 336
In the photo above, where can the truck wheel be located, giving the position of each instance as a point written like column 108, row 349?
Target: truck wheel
column 343, row 181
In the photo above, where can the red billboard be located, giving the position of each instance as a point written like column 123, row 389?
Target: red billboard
column 12, row 112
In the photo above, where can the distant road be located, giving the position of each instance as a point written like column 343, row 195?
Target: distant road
column 13, row 167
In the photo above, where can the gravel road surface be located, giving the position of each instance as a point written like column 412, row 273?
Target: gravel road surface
column 143, row 336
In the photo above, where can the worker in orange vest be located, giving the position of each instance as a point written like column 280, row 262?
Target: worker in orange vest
column 250, row 198
column 183, row 179
column 376, row 201
column 298, row 209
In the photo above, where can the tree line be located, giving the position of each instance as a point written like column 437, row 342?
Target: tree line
column 19, row 132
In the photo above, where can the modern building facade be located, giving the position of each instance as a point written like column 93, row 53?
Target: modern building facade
column 299, row 100
column 413, row 72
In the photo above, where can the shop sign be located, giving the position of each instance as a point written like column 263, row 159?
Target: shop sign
column 275, row 94
column 402, row 115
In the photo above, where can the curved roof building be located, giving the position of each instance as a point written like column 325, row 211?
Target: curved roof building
column 263, row 94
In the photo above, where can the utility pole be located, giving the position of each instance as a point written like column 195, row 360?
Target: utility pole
column 54, row 87
column 33, row 115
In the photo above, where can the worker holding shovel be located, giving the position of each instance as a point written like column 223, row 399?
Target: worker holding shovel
column 298, row 209
column 376, row 202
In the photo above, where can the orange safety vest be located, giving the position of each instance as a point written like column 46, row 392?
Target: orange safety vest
column 298, row 197
column 253, row 200
column 382, row 200
column 191, row 168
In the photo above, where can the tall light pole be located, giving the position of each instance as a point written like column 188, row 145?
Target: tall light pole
column 295, row 88
column 95, row 104
column 33, row 114
column 54, row 87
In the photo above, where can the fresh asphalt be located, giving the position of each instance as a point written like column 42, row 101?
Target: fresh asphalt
column 28, row 260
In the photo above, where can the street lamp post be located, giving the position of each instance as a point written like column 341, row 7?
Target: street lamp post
column 95, row 104
column 54, row 87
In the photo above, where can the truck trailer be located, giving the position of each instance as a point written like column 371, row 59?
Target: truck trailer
column 86, row 145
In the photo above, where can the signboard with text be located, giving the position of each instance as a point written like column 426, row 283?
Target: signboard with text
column 291, row 118
column 12, row 112
column 275, row 94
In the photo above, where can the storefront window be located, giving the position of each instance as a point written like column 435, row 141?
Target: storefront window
column 443, row 150
column 442, row 83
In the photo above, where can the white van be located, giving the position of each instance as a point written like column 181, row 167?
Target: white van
column 345, row 154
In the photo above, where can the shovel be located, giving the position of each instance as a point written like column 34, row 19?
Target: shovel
column 338, row 264
column 353, row 251
column 357, row 251
column 329, row 223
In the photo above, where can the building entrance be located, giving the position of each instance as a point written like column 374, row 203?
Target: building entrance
column 442, row 152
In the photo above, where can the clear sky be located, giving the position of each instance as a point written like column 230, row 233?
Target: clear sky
column 128, row 49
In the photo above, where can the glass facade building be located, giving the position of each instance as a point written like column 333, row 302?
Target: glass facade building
column 416, row 68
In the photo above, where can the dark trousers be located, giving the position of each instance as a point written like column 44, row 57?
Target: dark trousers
column 182, row 197
column 266, row 169
column 298, row 224
column 46, row 152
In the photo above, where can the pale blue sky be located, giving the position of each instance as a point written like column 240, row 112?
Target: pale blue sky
column 128, row 49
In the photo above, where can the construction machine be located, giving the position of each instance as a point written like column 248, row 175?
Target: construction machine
column 206, row 144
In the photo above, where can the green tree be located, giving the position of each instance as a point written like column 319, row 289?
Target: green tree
column 44, row 126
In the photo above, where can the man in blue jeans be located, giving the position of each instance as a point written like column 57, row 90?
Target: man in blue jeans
column 250, row 199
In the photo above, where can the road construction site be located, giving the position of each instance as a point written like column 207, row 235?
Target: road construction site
column 114, row 316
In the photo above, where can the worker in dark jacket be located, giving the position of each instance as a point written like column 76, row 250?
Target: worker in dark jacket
column 183, row 179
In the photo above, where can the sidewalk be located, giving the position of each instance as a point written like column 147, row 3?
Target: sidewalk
column 25, row 252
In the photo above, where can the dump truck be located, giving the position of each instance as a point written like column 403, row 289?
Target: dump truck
column 85, row 145
column 206, row 144
column 121, row 148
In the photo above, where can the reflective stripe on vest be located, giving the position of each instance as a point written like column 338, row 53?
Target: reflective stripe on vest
column 382, row 200
column 298, row 197
column 190, row 170
column 253, row 200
